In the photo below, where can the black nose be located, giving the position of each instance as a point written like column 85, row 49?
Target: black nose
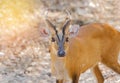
column 61, row 53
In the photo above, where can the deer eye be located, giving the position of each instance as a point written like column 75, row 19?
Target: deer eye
column 53, row 39
column 67, row 39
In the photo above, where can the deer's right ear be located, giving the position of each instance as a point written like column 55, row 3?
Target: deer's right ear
column 74, row 29
column 51, row 26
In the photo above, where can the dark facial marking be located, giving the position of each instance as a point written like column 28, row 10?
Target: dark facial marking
column 53, row 26
column 61, row 51
column 61, row 39
column 67, row 39
column 65, row 26
column 53, row 39
column 60, row 42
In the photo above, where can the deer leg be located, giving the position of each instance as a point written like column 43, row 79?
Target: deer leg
column 75, row 78
column 98, row 74
column 114, row 66
column 59, row 81
column 112, row 62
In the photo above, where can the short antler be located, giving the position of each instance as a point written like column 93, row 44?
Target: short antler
column 68, row 20
column 68, row 14
column 48, row 21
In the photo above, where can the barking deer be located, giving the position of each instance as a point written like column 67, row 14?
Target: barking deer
column 73, row 53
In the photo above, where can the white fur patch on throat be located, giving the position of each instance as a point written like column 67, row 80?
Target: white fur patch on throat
column 60, row 70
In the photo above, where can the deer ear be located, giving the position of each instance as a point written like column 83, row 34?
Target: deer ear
column 44, row 32
column 65, row 28
column 74, row 30
column 51, row 26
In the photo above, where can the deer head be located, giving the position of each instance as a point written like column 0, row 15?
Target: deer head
column 59, row 37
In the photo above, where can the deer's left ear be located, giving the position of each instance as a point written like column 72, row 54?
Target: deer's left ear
column 65, row 28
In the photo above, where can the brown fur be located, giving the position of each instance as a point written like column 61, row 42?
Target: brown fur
column 94, row 43
column 59, row 81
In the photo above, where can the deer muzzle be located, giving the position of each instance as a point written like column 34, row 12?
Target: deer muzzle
column 61, row 52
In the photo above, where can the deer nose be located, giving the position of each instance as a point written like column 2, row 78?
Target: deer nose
column 61, row 53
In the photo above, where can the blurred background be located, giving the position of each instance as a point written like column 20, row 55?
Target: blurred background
column 24, row 53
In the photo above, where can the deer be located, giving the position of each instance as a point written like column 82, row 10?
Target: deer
column 72, row 53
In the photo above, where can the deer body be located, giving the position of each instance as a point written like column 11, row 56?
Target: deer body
column 93, row 43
